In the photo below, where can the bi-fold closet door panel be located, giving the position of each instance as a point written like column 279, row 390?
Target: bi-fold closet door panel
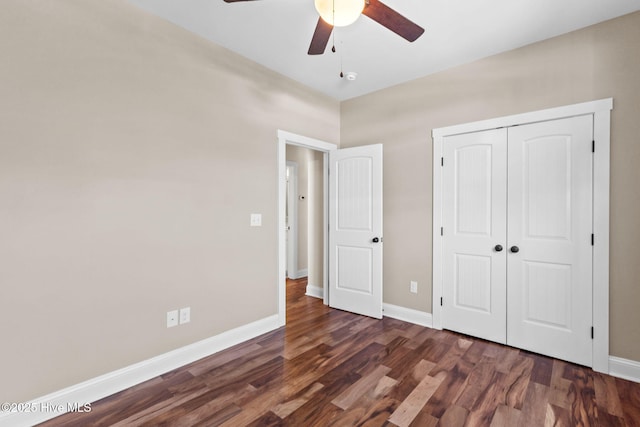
column 517, row 216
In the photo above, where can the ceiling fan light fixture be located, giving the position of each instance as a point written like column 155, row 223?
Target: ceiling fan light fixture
column 339, row 13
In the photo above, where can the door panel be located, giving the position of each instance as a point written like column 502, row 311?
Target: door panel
column 472, row 282
column 474, row 214
column 550, row 221
column 355, row 220
column 546, row 167
column 540, row 281
column 355, row 269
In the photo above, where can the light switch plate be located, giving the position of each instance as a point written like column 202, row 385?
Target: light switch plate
column 256, row 220
column 185, row 315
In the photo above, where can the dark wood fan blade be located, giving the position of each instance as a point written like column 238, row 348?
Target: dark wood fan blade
column 391, row 19
column 233, row 1
column 320, row 38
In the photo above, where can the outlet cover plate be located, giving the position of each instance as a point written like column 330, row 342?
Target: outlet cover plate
column 172, row 318
column 414, row 287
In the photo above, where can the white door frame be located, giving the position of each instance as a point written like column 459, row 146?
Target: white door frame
column 289, row 138
column 601, row 110
column 292, row 230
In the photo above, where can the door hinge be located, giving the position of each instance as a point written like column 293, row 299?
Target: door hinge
column 442, row 231
column 592, row 239
column 440, row 301
column 592, row 332
column 441, row 161
column 593, row 146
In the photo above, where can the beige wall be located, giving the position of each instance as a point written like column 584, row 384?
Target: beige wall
column 301, row 156
column 131, row 156
column 316, row 219
column 597, row 62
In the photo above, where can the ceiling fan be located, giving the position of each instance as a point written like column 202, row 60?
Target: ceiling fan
column 373, row 9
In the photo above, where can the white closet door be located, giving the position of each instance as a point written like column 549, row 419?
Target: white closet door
column 474, row 217
column 550, row 223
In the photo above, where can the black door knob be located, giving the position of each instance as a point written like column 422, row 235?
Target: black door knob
column 515, row 249
column 375, row 240
column 498, row 248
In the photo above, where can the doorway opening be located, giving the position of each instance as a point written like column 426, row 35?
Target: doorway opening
column 316, row 154
column 304, row 217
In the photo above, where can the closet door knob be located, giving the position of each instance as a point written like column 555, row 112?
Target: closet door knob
column 515, row 249
column 375, row 240
column 498, row 248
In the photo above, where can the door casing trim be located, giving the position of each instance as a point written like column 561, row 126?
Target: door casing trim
column 601, row 111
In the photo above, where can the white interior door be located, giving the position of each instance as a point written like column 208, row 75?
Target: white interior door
column 474, row 216
column 355, row 230
column 550, row 223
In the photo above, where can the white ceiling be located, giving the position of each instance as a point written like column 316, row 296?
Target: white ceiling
column 277, row 33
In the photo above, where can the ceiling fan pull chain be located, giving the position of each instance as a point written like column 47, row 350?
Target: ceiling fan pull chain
column 341, row 49
column 333, row 33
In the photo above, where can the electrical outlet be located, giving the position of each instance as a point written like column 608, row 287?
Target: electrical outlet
column 185, row 315
column 414, row 287
column 172, row 318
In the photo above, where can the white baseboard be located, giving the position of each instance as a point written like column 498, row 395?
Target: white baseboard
column 52, row 405
column 408, row 315
column 314, row 291
column 624, row 368
column 299, row 274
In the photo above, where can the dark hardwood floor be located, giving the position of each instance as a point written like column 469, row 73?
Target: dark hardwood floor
column 332, row 368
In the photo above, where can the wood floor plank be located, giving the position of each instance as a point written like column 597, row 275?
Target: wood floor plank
column 516, row 381
column 542, row 367
column 411, row 406
column 557, row 416
column 630, row 400
column 607, row 395
column 454, row 416
column 583, row 410
column 479, row 381
column 450, row 389
column 372, row 407
column 506, row 359
column 506, row 416
column 410, row 380
column 357, row 389
column 222, row 358
column 534, row 410
column 285, row 408
column 333, row 368
column 379, row 412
